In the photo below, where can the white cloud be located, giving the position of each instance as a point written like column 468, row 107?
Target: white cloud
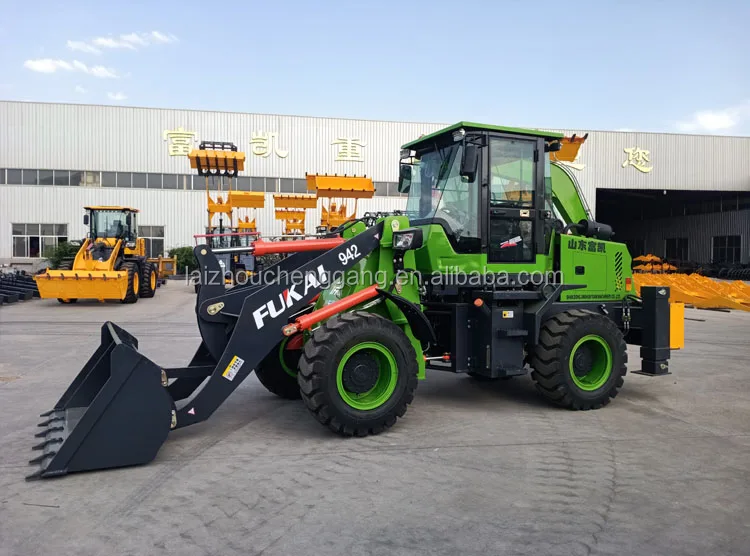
column 116, row 96
column 48, row 65
column 129, row 41
column 110, row 42
column 161, row 37
column 134, row 38
column 716, row 121
column 101, row 71
column 83, row 47
column 80, row 89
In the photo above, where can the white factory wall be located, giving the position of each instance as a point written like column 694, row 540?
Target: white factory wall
column 124, row 139
column 99, row 139
column 182, row 213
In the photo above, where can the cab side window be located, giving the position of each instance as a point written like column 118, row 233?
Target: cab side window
column 511, row 172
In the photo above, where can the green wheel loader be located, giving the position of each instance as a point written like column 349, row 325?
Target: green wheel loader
column 495, row 269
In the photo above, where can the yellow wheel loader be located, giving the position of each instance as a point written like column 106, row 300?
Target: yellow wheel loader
column 111, row 263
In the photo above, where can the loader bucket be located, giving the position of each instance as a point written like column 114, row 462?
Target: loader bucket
column 82, row 284
column 116, row 412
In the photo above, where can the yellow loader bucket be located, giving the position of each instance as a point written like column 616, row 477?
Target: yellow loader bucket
column 83, row 284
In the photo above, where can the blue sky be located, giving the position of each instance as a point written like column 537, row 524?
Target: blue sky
column 649, row 66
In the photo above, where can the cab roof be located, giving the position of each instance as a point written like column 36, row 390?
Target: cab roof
column 128, row 209
column 473, row 126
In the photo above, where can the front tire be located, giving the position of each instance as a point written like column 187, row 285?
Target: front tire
column 580, row 361
column 278, row 371
column 131, row 294
column 358, row 374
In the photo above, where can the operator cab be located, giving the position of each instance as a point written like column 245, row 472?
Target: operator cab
column 488, row 187
column 111, row 223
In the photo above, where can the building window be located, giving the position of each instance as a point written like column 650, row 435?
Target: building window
column 14, row 177
column 271, row 185
column 139, row 180
column 154, row 181
column 29, row 177
column 62, row 177
column 243, row 183
column 46, row 177
column 727, row 249
column 34, row 240
column 92, row 179
column 170, row 181
column 2, row 176
column 677, row 249
column 76, row 178
column 300, row 186
column 154, row 236
column 381, row 188
column 286, row 185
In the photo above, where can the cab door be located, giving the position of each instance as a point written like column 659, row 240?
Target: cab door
column 515, row 199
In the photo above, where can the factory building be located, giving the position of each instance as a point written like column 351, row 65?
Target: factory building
column 683, row 197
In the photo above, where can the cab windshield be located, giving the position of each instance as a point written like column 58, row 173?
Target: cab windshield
column 437, row 192
column 113, row 224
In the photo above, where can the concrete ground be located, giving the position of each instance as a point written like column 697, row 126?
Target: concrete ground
column 471, row 469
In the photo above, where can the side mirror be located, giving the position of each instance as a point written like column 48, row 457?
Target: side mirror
column 552, row 147
column 469, row 162
column 86, row 219
column 404, row 181
column 129, row 220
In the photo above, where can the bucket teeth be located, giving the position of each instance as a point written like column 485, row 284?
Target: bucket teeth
column 40, row 459
column 46, row 443
column 47, row 413
column 48, row 421
column 49, row 430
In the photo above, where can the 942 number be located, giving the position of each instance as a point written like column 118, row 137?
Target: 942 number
column 350, row 254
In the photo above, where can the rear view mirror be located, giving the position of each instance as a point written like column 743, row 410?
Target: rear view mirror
column 85, row 219
column 469, row 162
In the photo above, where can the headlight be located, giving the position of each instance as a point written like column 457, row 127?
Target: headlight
column 404, row 240
column 130, row 245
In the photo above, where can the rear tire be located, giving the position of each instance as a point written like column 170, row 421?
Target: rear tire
column 358, row 373
column 148, row 281
column 131, row 294
column 280, row 376
column 580, row 361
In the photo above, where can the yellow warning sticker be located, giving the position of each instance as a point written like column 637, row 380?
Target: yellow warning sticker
column 233, row 368
column 507, row 314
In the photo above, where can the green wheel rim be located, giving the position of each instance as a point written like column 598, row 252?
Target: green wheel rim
column 386, row 381
column 601, row 363
column 287, row 369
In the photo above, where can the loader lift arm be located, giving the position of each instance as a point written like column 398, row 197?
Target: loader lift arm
column 566, row 195
column 260, row 320
column 120, row 385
